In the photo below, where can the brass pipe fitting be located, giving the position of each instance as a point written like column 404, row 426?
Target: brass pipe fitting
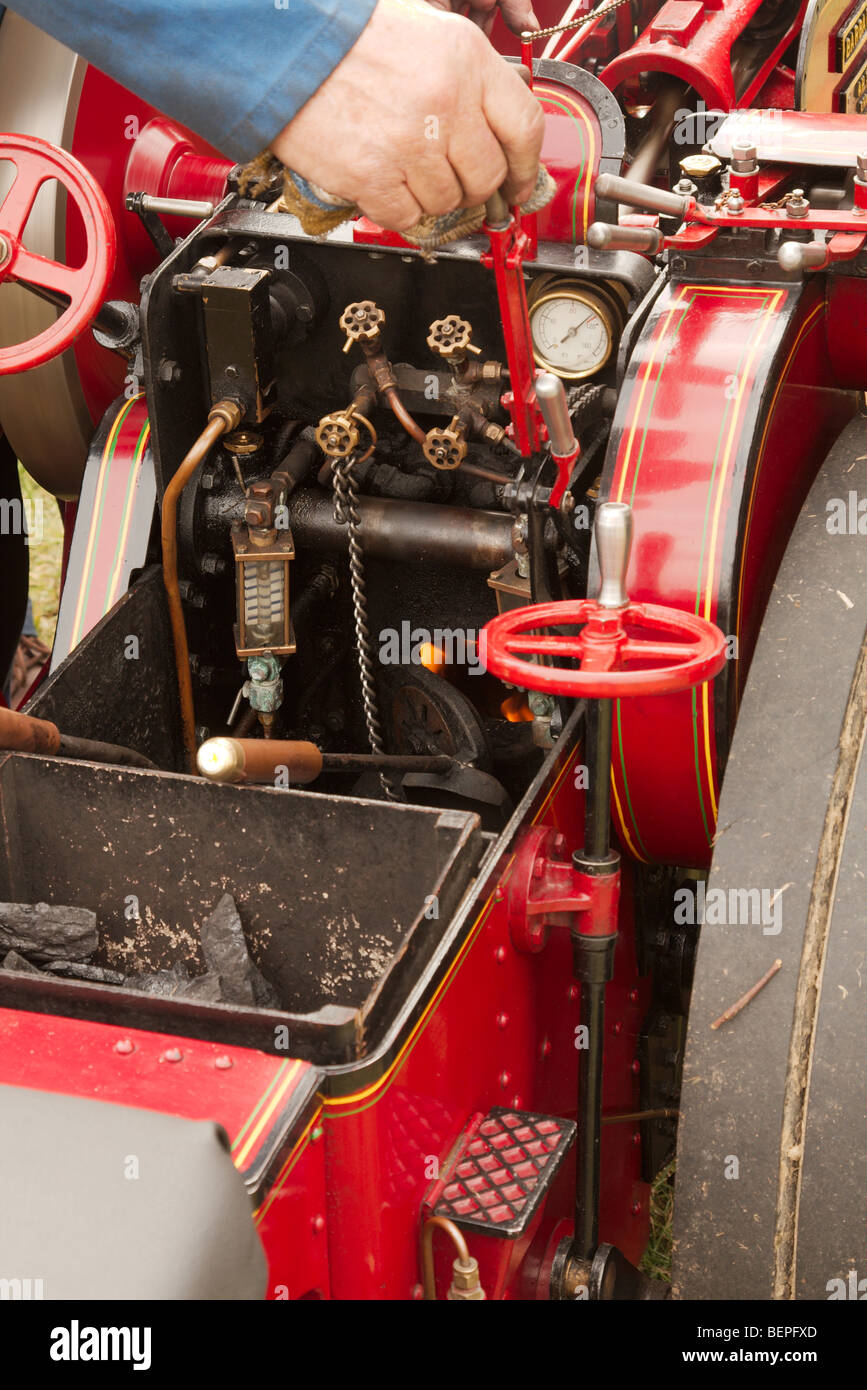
column 223, row 417
column 465, row 1286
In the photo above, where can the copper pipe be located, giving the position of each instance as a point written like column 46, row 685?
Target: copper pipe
column 427, row 1264
column 403, row 415
column 222, row 418
column 490, row 475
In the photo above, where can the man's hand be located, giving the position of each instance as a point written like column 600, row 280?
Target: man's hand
column 518, row 14
column 421, row 116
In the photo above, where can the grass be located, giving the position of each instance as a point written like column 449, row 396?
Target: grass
column 657, row 1256
column 46, row 551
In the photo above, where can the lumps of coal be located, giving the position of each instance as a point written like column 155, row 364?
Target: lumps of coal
column 12, row 961
column 224, row 947
column 77, row 970
column 47, row 932
column 176, row 983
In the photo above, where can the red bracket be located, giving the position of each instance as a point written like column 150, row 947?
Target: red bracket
column 509, row 245
column 546, row 890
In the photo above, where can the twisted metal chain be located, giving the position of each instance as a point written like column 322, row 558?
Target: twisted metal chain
column 347, row 513
column 530, row 35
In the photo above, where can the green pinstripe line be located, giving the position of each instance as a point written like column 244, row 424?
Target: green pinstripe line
column 694, row 694
column 580, row 129
column 687, row 305
column 760, row 325
column 130, row 485
column 641, row 843
column 730, row 402
column 259, row 1104
column 663, row 363
column 89, row 580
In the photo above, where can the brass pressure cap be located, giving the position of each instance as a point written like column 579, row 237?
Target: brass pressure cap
column 700, row 166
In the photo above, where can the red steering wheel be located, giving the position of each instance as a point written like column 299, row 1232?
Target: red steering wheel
column 36, row 161
column 686, row 649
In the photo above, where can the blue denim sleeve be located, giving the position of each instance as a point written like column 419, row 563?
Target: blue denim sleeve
column 235, row 71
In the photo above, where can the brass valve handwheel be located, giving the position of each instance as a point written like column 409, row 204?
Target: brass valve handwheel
column 361, row 322
column 446, row 448
column 451, row 338
column 337, row 435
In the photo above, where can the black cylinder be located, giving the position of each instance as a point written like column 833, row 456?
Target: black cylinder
column 415, row 533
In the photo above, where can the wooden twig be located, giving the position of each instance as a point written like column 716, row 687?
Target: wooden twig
column 745, row 998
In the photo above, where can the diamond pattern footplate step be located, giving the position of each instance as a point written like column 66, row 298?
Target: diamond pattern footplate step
column 503, row 1166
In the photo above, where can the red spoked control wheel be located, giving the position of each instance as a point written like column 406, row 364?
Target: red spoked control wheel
column 685, row 650
column 36, row 162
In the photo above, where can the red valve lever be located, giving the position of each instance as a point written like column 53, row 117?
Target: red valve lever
column 36, row 162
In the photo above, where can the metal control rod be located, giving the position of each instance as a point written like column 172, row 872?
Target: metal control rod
column 642, row 195
column 261, row 760
column 605, row 236
column 594, row 955
column 23, row 733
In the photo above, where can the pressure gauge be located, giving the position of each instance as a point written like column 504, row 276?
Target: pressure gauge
column 574, row 327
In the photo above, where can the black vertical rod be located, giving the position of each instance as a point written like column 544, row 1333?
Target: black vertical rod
column 597, row 808
column 587, row 1175
column 593, row 964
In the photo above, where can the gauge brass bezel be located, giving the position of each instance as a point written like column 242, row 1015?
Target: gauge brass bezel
column 594, row 299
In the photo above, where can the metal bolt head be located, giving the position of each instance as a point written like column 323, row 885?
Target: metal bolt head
column 744, row 158
column 173, row 1054
column 222, row 1063
column 168, row 372
column 124, row 1046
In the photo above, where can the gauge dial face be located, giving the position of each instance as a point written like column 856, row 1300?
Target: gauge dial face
column 571, row 334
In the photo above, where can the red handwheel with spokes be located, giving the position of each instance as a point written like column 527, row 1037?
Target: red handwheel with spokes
column 36, row 162
column 686, row 649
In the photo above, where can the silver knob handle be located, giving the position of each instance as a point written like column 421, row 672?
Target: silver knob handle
column 551, row 395
column 613, row 545
column 644, row 196
column 604, row 236
column 803, row 255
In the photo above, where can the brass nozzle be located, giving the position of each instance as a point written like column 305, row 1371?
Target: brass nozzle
column 465, row 1282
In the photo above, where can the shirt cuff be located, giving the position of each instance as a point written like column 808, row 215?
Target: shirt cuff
column 325, row 43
